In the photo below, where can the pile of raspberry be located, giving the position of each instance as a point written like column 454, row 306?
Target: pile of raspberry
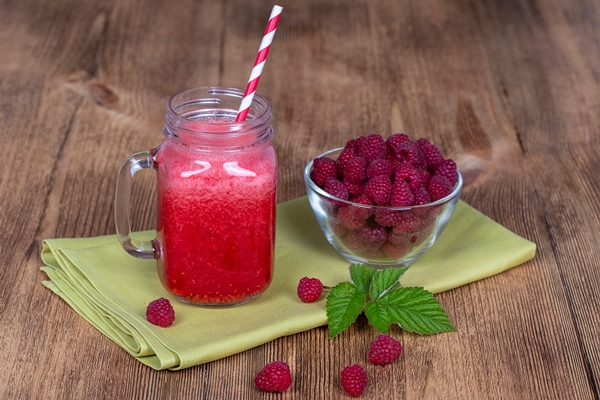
column 396, row 172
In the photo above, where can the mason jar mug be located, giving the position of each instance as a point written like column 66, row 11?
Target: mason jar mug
column 216, row 199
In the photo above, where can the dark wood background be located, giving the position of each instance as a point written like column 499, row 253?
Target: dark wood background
column 508, row 88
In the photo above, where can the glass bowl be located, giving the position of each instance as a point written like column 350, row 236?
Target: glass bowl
column 380, row 237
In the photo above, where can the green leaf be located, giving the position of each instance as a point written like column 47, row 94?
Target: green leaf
column 384, row 281
column 415, row 310
column 344, row 303
column 362, row 276
column 378, row 316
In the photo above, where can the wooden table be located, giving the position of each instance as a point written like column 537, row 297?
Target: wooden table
column 509, row 89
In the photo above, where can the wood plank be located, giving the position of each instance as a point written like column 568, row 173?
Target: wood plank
column 507, row 88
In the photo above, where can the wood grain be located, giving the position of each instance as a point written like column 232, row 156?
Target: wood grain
column 509, row 89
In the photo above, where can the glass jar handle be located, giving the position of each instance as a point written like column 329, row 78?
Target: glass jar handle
column 133, row 164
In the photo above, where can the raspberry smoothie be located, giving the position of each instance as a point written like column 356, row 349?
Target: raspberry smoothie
column 216, row 222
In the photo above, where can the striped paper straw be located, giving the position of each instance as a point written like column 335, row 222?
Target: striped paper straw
column 259, row 63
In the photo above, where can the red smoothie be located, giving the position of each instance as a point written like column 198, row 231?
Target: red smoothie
column 216, row 223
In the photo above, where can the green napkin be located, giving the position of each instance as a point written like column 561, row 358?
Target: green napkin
column 111, row 289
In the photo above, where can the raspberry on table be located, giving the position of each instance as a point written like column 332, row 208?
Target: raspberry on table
column 356, row 170
column 309, row 289
column 354, row 380
column 439, row 187
column 274, row 377
column 372, row 148
column 336, row 188
column 324, row 168
column 447, row 169
column 379, row 188
column 384, row 350
column 160, row 312
column 401, row 196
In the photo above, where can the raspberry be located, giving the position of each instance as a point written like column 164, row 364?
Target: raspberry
column 408, row 223
column 432, row 155
column 439, row 187
column 425, row 176
column 309, row 289
column 401, row 194
column 384, row 350
column 447, row 169
column 379, row 188
column 407, row 172
column 396, row 140
column 160, row 312
column 354, row 242
column 354, row 380
column 364, row 212
column 374, row 237
column 372, row 148
column 423, row 142
column 353, row 217
column 371, row 254
column 387, row 217
column 343, row 158
column 422, row 195
column 324, row 168
column 354, row 144
column 354, row 189
column 274, row 377
column 336, row 188
column 363, row 199
column 390, row 154
column 399, row 238
column 380, row 167
column 356, row 170
column 395, row 251
column 411, row 152
column 337, row 227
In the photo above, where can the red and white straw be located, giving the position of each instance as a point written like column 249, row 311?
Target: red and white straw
column 259, row 63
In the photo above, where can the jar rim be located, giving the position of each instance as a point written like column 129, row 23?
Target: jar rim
column 259, row 115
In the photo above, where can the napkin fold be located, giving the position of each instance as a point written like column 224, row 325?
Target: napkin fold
column 111, row 289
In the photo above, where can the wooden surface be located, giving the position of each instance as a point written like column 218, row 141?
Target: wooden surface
column 508, row 88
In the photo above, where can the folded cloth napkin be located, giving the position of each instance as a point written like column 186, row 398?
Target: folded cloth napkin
column 111, row 289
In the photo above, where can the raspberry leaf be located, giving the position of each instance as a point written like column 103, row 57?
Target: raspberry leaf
column 413, row 309
column 362, row 276
column 378, row 316
column 384, row 281
column 344, row 304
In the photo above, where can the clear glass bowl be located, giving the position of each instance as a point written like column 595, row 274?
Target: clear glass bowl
column 356, row 230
